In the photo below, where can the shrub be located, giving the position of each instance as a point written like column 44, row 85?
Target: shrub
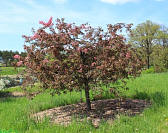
column 6, row 82
column 160, row 58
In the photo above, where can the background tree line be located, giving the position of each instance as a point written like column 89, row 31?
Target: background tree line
column 7, row 56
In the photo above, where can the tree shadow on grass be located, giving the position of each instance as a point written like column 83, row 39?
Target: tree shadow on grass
column 6, row 96
column 158, row 98
column 7, row 100
column 141, row 95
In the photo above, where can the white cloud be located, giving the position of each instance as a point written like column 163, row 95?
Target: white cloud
column 118, row 1
column 60, row 1
column 159, row 0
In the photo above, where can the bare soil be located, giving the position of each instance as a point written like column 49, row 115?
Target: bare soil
column 106, row 110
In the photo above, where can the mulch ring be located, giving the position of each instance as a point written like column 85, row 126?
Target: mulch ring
column 101, row 109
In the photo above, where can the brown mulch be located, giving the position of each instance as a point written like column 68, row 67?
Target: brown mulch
column 101, row 109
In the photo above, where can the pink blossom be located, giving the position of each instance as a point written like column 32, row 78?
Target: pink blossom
column 27, row 58
column 109, row 47
column 80, row 70
column 83, row 26
column 78, row 49
column 93, row 64
column 80, row 66
column 69, row 33
column 28, row 64
column 45, row 61
column 74, row 43
column 99, row 67
column 49, row 23
column 85, row 50
column 129, row 72
column 36, row 36
column 17, row 56
column 19, row 63
column 68, row 25
column 128, row 55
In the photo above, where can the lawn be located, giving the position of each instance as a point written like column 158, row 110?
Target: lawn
column 15, row 112
column 10, row 70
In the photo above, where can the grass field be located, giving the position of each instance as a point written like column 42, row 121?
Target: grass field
column 10, row 70
column 15, row 112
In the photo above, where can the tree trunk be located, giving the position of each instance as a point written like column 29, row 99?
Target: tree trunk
column 148, row 55
column 88, row 104
column 6, row 64
column 148, row 61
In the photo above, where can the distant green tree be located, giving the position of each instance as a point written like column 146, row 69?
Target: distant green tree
column 23, row 54
column 145, row 36
column 6, row 57
column 0, row 53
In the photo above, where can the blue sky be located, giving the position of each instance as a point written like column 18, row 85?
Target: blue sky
column 18, row 17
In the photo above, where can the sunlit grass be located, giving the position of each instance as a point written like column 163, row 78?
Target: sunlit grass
column 15, row 112
column 10, row 70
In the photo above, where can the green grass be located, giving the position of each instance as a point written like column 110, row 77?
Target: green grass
column 14, row 112
column 10, row 70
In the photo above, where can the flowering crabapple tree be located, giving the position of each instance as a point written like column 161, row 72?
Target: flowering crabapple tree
column 65, row 56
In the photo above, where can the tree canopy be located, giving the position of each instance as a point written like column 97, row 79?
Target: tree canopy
column 67, row 57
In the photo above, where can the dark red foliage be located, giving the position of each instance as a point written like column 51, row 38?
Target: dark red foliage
column 70, row 57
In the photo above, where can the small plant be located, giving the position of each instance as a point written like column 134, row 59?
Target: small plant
column 67, row 57
column 150, row 70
